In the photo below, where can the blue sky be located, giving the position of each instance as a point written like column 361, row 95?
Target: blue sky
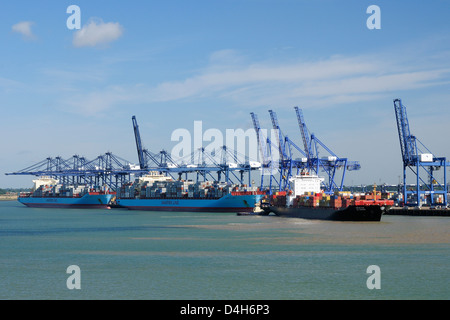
column 170, row 63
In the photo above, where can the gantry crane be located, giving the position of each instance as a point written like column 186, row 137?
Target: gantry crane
column 286, row 146
column 284, row 152
column 200, row 162
column 106, row 169
column 140, row 149
column 419, row 158
column 262, row 143
column 328, row 164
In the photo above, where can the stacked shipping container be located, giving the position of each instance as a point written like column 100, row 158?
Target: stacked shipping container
column 62, row 190
column 337, row 200
column 180, row 189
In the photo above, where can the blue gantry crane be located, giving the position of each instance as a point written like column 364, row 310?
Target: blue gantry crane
column 422, row 162
column 105, row 170
column 284, row 153
column 113, row 171
column 201, row 162
column 329, row 163
column 305, row 137
column 217, row 164
column 286, row 148
column 140, row 150
column 280, row 156
column 149, row 161
column 264, row 147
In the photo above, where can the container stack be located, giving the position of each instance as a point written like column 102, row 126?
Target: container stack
column 336, row 202
column 279, row 201
column 126, row 191
column 60, row 191
column 340, row 199
column 182, row 189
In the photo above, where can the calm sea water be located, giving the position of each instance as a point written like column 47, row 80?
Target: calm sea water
column 198, row 256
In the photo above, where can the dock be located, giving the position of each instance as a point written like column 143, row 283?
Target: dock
column 416, row 211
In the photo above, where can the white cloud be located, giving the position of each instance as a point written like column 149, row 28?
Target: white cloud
column 9, row 85
column 97, row 33
column 24, row 28
column 97, row 102
column 338, row 80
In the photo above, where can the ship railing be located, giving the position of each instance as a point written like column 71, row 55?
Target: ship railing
column 185, row 196
column 51, row 195
column 96, row 193
column 25, row 194
column 247, row 193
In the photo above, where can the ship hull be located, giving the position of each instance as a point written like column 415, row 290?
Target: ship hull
column 88, row 201
column 350, row 213
column 228, row 203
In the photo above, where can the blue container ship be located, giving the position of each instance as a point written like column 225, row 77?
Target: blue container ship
column 90, row 200
column 235, row 202
column 160, row 193
column 48, row 193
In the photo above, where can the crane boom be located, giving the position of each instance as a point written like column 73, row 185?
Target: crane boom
column 258, row 136
column 276, row 127
column 407, row 141
column 304, row 132
column 140, row 150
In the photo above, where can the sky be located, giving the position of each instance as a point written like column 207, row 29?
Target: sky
column 66, row 91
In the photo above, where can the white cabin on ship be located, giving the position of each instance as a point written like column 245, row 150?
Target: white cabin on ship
column 300, row 184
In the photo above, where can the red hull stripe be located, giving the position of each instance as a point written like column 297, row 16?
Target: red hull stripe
column 191, row 209
column 61, row 205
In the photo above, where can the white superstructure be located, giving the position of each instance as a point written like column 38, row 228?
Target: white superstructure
column 44, row 181
column 153, row 176
column 301, row 184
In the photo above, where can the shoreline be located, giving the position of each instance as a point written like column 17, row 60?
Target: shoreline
column 8, row 197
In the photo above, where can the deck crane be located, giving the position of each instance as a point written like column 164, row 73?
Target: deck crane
column 417, row 160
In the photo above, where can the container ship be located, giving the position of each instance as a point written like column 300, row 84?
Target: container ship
column 305, row 200
column 48, row 193
column 156, row 192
